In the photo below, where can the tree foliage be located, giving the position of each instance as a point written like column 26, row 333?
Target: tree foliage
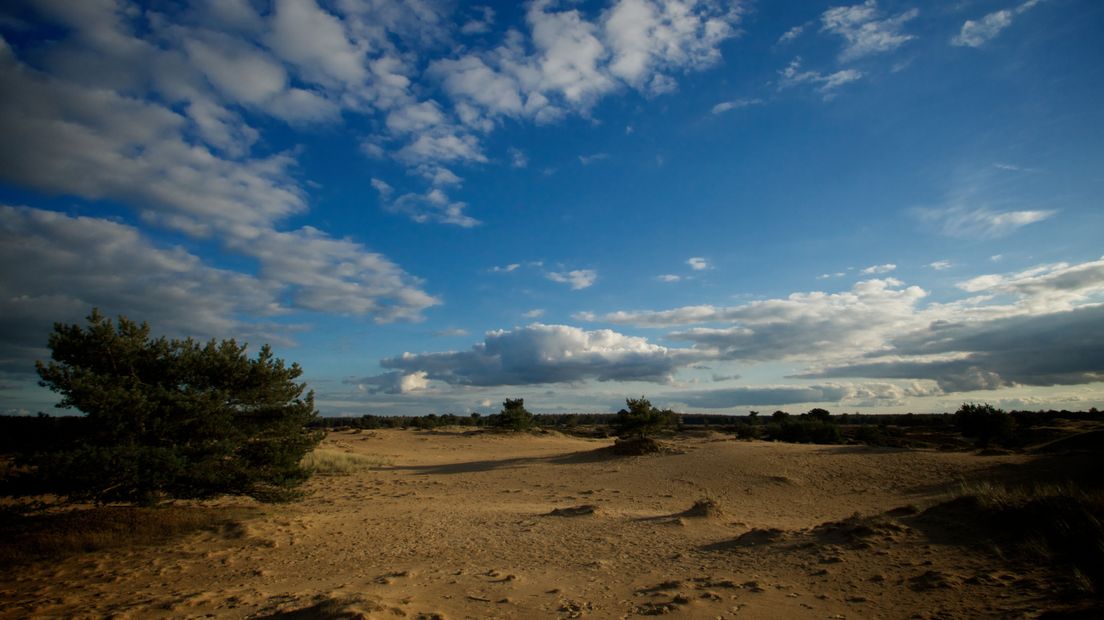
column 642, row 419
column 514, row 416
column 173, row 418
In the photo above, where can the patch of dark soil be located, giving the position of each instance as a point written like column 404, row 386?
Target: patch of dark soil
column 574, row 511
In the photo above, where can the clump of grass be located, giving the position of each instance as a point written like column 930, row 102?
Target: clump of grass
column 27, row 538
column 1061, row 524
column 327, row 462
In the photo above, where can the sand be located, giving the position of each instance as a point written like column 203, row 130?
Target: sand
column 453, row 524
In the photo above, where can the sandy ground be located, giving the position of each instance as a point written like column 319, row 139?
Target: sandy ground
column 459, row 525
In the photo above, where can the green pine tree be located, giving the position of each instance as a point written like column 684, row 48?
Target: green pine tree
column 173, row 418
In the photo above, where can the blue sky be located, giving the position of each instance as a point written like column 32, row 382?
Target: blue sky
column 874, row 206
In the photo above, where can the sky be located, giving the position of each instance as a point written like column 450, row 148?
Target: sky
column 432, row 206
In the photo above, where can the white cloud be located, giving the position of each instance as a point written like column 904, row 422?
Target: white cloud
column 697, row 263
column 792, row 75
column 863, row 32
column 518, row 158
column 735, row 104
column 578, row 278
column 848, row 394
column 540, row 354
column 317, row 43
column 587, row 160
column 480, row 24
column 667, row 277
column 451, row 332
column 535, row 313
column 432, row 206
column 646, row 37
column 977, row 33
column 506, row 268
column 568, row 62
column 793, row 33
column 392, row 383
column 941, row 265
column 878, row 269
column 415, row 117
column 83, row 262
column 980, row 223
column 1049, row 288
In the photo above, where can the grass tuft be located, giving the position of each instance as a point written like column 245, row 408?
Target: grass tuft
column 327, row 462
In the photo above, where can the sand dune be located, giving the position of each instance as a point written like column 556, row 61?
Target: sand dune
column 461, row 525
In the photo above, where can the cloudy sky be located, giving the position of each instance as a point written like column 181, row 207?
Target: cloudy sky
column 434, row 205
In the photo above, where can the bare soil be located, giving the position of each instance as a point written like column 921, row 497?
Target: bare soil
column 454, row 524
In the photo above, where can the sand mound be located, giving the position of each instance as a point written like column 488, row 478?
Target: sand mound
column 704, row 509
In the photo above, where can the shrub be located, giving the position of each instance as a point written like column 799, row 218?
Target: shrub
column 984, row 423
column 642, row 419
column 172, row 418
column 513, row 416
column 805, row 431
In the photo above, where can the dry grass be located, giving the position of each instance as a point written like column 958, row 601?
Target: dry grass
column 1059, row 524
column 329, row 462
column 26, row 538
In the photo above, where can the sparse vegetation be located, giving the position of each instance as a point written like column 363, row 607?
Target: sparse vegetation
column 329, row 462
column 1059, row 524
column 26, row 538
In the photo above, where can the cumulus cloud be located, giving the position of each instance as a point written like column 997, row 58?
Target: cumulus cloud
column 1058, row 348
column 863, row 31
column 391, row 383
column 1046, row 287
column 975, row 33
column 108, row 115
column 668, row 277
column 697, row 263
column 1040, row 326
column 578, row 278
column 980, row 223
column 941, row 265
column 540, row 354
column 568, row 60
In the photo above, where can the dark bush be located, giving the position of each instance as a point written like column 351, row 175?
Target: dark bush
column 984, row 423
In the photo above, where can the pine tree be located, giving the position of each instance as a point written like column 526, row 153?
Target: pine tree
column 173, row 418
